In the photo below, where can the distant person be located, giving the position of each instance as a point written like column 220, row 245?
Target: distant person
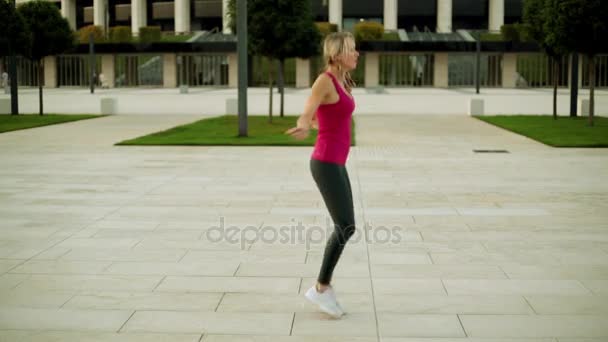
column 329, row 109
column 5, row 83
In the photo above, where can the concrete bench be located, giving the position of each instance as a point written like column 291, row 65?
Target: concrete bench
column 109, row 106
column 476, row 107
column 5, row 106
column 232, row 106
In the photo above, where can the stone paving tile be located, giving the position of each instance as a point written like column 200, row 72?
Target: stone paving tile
column 319, row 324
column 535, row 325
column 394, row 324
column 456, row 304
column 408, row 286
column 210, row 322
column 9, row 281
column 144, row 301
column 61, row 267
column 63, row 319
column 514, row 286
column 598, row 287
column 230, row 284
column 25, row 298
column 159, row 255
column 221, row 268
column 8, row 264
column 580, row 272
column 90, row 282
column 255, row 256
column 77, row 336
column 571, row 305
column 438, row 271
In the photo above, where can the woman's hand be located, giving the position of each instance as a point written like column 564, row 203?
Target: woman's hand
column 299, row 133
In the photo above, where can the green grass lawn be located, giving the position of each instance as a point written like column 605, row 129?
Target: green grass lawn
column 223, row 130
column 16, row 122
column 563, row 132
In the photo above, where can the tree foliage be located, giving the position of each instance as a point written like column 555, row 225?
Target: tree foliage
column 14, row 34
column 51, row 34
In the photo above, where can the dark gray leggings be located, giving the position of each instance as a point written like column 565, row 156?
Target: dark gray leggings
column 332, row 180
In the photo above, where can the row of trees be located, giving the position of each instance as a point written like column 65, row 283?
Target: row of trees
column 33, row 30
column 562, row 27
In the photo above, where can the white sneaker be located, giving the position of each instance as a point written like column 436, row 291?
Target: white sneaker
column 326, row 301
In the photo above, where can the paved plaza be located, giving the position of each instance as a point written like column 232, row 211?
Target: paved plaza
column 122, row 243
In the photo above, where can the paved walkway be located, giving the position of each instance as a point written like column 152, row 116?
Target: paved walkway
column 212, row 101
column 107, row 243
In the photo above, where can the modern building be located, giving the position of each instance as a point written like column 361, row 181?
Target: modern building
column 441, row 54
column 182, row 16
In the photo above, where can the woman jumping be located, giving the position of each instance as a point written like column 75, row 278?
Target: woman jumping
column 329, row 109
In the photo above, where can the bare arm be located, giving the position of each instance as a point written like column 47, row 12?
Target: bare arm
column 320, row 89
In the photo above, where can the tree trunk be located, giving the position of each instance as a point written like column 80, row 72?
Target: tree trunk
column 282, row 84
column 40, row 75
column 555, row 76
column 591, row 89
column 271, row 86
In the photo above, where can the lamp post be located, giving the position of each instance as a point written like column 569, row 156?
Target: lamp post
column 242, row 64
column 12, row 70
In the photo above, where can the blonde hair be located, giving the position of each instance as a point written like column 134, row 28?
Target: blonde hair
column 334, row 45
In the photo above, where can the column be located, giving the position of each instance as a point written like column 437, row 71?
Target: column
column 226, row 29
column 390, row 14
column 497, row 15
column 509, row 70
column 138, row 15
column 441, row 73
column 302, row 73
column 107, row 69
column 99, row 13
column 182, row 16
column 335, row 13
column 444, row 16
column 372, row 69
column 232, row 70
column 169, row 70
column 50, row 72
column 68, row 11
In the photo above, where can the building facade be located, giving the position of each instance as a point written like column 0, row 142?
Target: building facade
column 183, row 16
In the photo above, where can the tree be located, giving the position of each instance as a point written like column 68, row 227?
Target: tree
column 579, row 26
column 14, row 35
column 536, row 14
column 15, row 38
column 278, row 30
column 51, row 34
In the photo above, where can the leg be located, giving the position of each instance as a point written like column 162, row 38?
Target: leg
column 334, row 186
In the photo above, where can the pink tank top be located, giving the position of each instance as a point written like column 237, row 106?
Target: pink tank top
column 334, row 138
